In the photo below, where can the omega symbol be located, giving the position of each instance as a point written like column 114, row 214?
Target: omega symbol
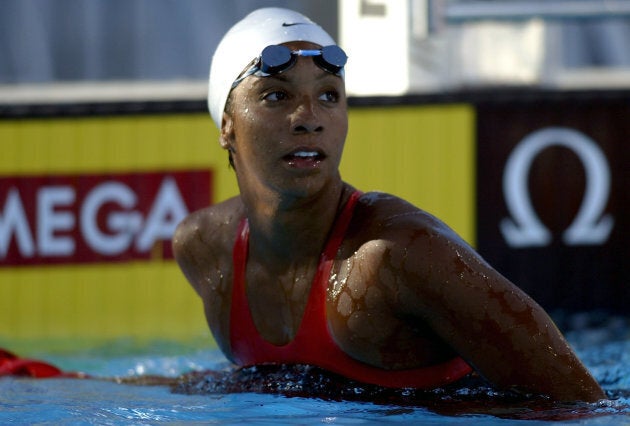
column 590, row 226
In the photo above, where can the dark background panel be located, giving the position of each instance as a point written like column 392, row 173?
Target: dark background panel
column 557, row 275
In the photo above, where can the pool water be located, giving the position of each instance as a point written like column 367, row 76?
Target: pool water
column 281, row 396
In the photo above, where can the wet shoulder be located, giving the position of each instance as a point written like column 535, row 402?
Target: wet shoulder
column 390, row 241
column 407, row 243
column 384, row 216
column 213, row 227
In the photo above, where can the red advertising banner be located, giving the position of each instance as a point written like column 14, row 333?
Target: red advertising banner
column 96, row 217
column 553, row 197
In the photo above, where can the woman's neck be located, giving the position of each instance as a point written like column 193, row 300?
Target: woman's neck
column 291, row 228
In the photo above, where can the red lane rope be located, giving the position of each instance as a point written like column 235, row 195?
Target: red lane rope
column 12, row 365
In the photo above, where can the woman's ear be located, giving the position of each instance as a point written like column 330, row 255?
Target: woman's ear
column 226, row 139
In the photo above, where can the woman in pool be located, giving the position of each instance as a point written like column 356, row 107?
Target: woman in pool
column 301, row 268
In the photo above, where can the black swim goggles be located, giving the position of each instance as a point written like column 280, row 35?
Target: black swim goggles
column 277, row 58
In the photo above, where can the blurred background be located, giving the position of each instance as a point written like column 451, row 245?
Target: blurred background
column 506, row 119
column 431, row 45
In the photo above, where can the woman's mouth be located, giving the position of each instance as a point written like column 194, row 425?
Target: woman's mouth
column 304, row 158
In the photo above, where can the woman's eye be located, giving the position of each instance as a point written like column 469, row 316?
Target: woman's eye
column 329, row 96
column 277, row 95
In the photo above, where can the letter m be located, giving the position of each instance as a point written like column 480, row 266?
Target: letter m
column 13, row 221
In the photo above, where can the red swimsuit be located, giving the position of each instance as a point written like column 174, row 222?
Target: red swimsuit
column 313, row 343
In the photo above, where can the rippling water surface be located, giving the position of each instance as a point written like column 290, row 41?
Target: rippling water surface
column 284, row 395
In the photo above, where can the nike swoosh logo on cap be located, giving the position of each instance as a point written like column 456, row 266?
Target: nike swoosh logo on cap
column 290, row 24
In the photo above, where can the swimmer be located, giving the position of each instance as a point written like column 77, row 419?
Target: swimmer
column 302, row 268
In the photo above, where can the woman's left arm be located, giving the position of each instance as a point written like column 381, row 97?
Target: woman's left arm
column 497, row 328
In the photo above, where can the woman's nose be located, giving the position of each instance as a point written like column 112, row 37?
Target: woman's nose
column 305, row 117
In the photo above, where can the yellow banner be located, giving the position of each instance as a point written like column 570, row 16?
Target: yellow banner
column 422, row 153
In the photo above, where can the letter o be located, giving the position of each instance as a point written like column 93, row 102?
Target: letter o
column 589, row 226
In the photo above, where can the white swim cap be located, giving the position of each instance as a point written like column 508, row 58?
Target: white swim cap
column 246, row 40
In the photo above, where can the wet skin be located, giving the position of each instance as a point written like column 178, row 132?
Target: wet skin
column 405, row 290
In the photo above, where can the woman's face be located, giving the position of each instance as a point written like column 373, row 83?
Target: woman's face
column 287, row 131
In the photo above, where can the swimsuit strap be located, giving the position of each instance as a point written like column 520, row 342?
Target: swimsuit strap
column 340, row 228
column 242, row 327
